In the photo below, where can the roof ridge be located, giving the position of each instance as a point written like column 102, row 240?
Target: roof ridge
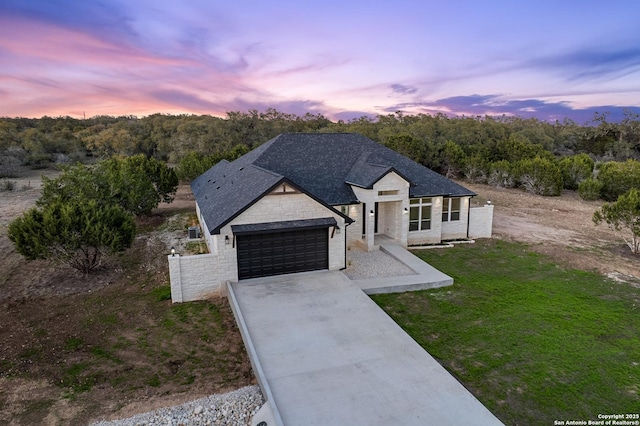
column 265, row 170
column 378, row 165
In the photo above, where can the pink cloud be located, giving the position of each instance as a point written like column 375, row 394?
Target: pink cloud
column 45, row 69
column 57, row 45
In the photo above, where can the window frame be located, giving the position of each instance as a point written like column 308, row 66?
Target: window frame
column 449, row 214
column 420, row 204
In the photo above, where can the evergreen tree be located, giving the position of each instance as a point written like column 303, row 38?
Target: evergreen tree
column 623, row 215
column 78, row 233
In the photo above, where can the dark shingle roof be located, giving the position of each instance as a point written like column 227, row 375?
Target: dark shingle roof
column 324, row 165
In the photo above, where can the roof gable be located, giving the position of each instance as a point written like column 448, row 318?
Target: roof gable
column 224, row 192
column 365, row 174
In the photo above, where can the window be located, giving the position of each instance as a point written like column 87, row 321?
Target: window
column 450, row 209
column 388, row 192
column 419, row 214
column 284, row 189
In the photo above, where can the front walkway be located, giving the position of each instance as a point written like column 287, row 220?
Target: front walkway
column 426, row 276
column 325, row 354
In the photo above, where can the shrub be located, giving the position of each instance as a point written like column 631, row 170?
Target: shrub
column 476, row 169
column 37, row 161
column 77, row 233
column 8, row 185
column 502, row 174
column 618, row 178
column 575, row 170
column 589, row 189
column 9, row 165
column 540, row 176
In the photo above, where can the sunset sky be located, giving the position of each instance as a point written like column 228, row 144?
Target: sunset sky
column 344, row 59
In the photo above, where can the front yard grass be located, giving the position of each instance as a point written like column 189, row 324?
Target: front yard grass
column 535, row 342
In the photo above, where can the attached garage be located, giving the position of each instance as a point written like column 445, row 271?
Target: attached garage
column 275, row 248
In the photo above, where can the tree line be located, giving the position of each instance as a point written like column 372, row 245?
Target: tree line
column 38, row 142
column 598, row 158
column 537, row 156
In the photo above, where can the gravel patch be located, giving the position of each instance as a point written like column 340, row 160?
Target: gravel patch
column 374, row 264
column 233, row 408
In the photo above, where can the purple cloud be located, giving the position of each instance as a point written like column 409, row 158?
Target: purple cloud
column 96, row 17
column 352, row 115
column 297, row 107
column 187, row 101
column 401, row 89
column 495, row 105
column 592, row 63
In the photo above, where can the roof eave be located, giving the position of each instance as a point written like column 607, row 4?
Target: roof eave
column 217, row 229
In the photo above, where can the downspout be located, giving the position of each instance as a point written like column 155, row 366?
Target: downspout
column 345, row 244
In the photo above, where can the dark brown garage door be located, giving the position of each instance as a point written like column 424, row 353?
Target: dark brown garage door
column 282, row 252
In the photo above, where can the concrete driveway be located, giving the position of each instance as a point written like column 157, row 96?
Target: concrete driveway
column 325, row 354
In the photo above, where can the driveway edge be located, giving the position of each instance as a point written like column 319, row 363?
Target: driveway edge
column 253, row 356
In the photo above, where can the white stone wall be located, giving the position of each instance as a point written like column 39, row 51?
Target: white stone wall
column 457, row 229
column 366, row 197
column 390, row 207
column 390, row 220
column 354, row 231
column 433, row 235
column 292, row 206
column 481, row 222
column 392, row 182
column 194, row 277
column 202, row 276
column 227, row 259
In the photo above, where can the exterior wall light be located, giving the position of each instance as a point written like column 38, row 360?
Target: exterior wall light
column 173, row 251
column 226, row 240
column 371, row 213
column 489, row 202
column 337, row 229
column 405, row 211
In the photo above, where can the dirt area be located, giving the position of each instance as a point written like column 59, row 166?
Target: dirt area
column 75, row 349
column 560, row 227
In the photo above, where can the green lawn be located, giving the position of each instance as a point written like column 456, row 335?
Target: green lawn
column 535, row 342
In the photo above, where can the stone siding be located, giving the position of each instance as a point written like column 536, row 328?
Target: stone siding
column 193, row 277
column 293, row 206
column 202, row 276
column 481, row 222
column 390, row 208
column 457, row 229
